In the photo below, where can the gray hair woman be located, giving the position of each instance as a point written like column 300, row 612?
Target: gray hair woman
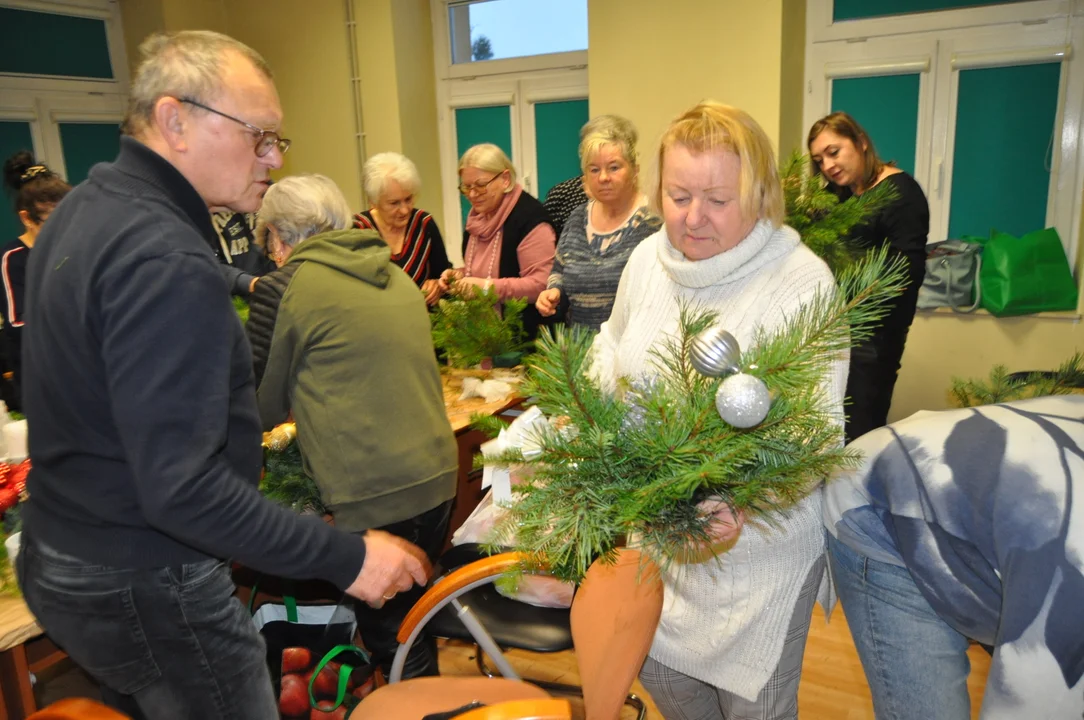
column 391, row 183
column 601, row 234
column 508, row 242
column 340, row 334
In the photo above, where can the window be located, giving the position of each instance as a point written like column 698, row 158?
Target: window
column 986, row 114
column 855, row 9
column 64, row 82
column 501, row 29
column 529, row 98
column 45, row 43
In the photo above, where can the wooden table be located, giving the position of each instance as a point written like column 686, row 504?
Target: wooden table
column 23, row 650
column 469, row 491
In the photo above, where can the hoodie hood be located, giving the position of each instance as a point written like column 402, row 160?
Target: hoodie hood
column 359, row 253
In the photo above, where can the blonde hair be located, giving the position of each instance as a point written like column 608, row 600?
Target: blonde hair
column 301, row 206
column 389, row 166
column 608, row 130
column 712, row 126
column 490, row 158
column 185, row 65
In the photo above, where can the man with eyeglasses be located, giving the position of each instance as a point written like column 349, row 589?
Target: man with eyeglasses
column 145, row 437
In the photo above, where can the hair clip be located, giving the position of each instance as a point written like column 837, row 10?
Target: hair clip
column 32, row 172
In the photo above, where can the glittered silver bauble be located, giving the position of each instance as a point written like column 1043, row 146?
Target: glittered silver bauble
column 743, row 400
column 715, row 352
column 635, row 394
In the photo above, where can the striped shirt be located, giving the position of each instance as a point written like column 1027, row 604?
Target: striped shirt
column 588, row 264
column 423, row 255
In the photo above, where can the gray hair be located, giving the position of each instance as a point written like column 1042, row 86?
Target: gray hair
column 490, row 158
column 301, row 206
column 185, row 64
column 608, row 130
column 389, row 166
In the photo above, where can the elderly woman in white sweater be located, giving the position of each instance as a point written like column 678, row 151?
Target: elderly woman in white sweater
column 733, row 628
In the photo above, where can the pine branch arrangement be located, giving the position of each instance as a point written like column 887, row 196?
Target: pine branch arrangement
column 822, row 221
column 470, row 325
column 286, row 483
column 241, row 306
column 633, row 465
column 1001, row 386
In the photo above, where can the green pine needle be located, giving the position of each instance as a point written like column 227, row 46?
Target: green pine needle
column 1000, row 387
column 471, row 326
column 286, row 483
column 823, row 222
column 619, row 473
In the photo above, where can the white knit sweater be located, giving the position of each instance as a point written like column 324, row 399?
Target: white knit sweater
column 724, row 621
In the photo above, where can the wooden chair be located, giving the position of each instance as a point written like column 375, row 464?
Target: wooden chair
column 613, row 618
column 77, row 709
column 538, row 709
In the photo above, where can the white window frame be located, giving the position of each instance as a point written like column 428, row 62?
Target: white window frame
column 1013, row 34
column 517, row 82
column 46, row 110
column 106, row 10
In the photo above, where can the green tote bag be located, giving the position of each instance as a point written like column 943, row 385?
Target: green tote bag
column 1026, row 275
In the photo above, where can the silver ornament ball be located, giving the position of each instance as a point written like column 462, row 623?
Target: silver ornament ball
column 743, row 400
column 715, row 352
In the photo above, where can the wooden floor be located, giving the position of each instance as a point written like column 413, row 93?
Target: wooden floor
column 833, row 686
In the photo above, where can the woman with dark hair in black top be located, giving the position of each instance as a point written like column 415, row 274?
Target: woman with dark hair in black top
column 843, row 153
column 36, row 190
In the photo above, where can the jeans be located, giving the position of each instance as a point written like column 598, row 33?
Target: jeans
column 379, row 627
column 916, row 665
column 164, row 643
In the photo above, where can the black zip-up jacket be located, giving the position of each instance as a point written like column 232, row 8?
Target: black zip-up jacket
column 138, row 387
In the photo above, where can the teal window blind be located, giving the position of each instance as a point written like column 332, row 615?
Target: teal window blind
column 557, row 141
column 859, row 9
column 482, row 125
column 87, row 144
column 39, row 43
column 14, row 136
column 887, row 107
column 1004, row 140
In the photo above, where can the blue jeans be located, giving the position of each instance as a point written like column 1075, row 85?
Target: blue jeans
column 916, row 665
column 165, row 643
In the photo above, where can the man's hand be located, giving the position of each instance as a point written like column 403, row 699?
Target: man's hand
column 392, row 565
column 252, row 285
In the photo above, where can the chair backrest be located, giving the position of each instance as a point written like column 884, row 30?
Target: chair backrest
column 551, row 709
column 614, row 616
column 77, row 709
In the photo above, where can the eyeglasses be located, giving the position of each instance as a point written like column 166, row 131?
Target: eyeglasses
column 478, row 188
column 265, row 139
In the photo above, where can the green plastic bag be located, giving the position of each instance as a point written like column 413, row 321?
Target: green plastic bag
column 1026, row 275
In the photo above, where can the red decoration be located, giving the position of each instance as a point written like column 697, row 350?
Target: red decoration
column 12, row 484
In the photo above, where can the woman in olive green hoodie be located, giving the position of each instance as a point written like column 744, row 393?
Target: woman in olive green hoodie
column 341, row 338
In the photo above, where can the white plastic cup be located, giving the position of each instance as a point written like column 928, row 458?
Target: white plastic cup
column 12, row 546
column 15, row 440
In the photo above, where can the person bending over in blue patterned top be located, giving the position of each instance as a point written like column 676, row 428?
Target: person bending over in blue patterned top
column 600, row 235
column 963, row 525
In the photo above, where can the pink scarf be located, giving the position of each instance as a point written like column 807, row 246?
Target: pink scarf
column 485, row 235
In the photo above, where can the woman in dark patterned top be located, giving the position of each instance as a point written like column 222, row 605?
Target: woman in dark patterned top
column 844, row 154
column 391, row 182
column 600, row 235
